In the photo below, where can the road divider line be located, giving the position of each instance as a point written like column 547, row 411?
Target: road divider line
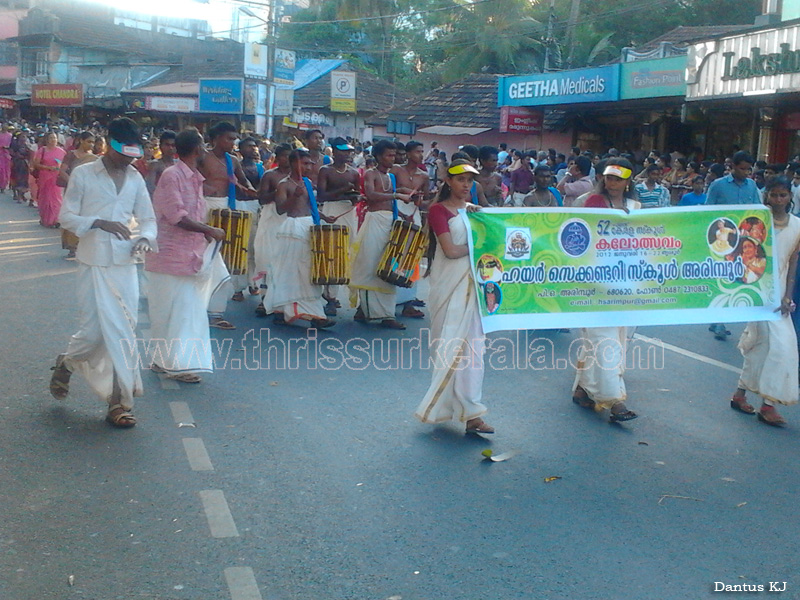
column 220, row 519
column 180, row 412
column 197, row 454
column 687, row 353
column 242, row 583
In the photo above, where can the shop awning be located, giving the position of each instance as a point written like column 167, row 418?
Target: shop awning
column 450, row 130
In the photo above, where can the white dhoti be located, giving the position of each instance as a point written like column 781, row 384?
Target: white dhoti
column 770, row 347
column 601, row 365
column 104, row 350
column 240, row 282
column 457, row 340
column 179, row 328
column 345, row 213
column 770, row 360
column 290, row 290
column 376, row 298
column 220, row 276
column 268, row 224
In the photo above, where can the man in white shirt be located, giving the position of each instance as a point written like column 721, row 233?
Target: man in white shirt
column 100, row 205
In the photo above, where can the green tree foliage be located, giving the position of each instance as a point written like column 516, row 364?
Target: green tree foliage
column 421, row 44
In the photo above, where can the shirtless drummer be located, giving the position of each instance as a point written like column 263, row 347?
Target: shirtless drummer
column 223, row 176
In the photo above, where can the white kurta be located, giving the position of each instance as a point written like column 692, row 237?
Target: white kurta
column 457, row 339
column 770, row 347
column 376, row 298
column 290, row 290
column 104, row 349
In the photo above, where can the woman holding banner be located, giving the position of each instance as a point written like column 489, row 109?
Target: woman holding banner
column 456, row 332
column 770, row 347
column 599, row 382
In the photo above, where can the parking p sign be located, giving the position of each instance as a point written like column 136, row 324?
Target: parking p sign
column 343, row 91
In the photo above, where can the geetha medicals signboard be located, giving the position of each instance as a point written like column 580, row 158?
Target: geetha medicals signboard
column 552, row 268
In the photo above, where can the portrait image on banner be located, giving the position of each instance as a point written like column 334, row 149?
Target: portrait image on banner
column 285, row 61
column 256, row 61
column 550, row 268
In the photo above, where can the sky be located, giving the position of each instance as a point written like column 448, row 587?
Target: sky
column 215, row 11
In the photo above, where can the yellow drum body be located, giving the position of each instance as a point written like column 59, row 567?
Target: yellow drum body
column 402, row 255
column 330, row 254
column 236, row 224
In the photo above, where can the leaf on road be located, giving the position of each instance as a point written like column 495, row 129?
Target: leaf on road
column 489, row 455
column 551, row 479
column 741, row 504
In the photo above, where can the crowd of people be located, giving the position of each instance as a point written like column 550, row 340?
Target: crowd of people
column 133, row 200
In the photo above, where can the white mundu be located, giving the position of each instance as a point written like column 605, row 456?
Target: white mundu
column 290, row 290
column 375, row 296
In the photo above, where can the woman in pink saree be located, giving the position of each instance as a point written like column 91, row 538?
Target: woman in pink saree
column 5, row 158
column 47, row 162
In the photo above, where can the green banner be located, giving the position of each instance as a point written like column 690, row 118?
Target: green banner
column 550, row 268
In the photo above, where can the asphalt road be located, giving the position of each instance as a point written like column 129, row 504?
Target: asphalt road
column 316, row 481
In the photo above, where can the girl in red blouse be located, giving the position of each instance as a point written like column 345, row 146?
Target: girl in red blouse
column 457, row 335
column 599, row 383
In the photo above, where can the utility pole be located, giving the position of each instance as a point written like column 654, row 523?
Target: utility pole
column 574, row 12
column 549, row 41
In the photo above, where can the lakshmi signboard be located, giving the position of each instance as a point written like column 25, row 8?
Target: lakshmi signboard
column 600, row 84
column 653, row 78
column 753, row 64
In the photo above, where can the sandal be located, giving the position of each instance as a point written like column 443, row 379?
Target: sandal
column 238, row 297
column 254, row 291
column 322, row 323
column 119, row 417
column 185, row 377
column 59, row 382
column 261, row 311
column 479, row 426
column 740, row 403
column 622, row 413
column 359, row 316
column 330, row 308
column 770, row 416
column 392, row 324
column 221, row 323
column 278, row 319
column 412, row 313
column 581, row 398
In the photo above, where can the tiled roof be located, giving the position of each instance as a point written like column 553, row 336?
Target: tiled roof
column 372, row 93
column 468, row 102
column 683, row 35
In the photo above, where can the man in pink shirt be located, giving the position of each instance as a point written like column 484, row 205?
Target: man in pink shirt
column 179, row 276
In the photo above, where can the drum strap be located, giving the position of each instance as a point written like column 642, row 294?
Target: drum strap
column 395, row 212
column 312, row 201
column 231, row 184
column 473, row 192
column 260, row 170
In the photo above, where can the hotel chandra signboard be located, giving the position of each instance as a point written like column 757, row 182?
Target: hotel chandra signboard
column 750, row 64
column 600, row 84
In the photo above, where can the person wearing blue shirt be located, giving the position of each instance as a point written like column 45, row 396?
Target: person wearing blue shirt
column 696, row 196
column 737, row 187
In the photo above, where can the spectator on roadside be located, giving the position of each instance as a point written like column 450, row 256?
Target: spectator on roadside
column 697, row 196
column 577, row 181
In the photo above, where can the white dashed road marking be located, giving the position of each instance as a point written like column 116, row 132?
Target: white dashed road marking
column 197, row 454
column 242, row 583
column 687, row 353
column 220, row 519
column 181, row 412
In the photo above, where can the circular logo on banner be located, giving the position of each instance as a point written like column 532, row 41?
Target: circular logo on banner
column 574, row 237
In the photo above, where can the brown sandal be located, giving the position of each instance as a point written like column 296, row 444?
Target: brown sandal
column 119, row 417
column 770, row 416
column 740, row 403
column 59, row 382
column 479, row 426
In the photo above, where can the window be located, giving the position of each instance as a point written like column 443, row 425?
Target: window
column 34, row 63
